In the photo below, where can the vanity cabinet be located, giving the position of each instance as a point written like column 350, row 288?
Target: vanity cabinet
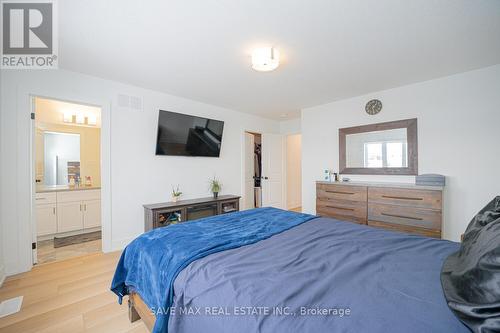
column 69, row 217
column 68, row 211
column 46, row 219
column 46, row 213
column 78, row 210
column 91, row 214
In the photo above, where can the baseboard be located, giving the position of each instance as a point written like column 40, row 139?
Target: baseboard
column 2, row 275
column 120, row 244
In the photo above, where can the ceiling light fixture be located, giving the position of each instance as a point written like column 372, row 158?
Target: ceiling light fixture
column 265, row 59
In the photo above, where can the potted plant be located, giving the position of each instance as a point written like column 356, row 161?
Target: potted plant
column 176, row 193
column 215, row 187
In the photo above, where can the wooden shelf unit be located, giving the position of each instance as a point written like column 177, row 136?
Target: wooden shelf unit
column 158, row 215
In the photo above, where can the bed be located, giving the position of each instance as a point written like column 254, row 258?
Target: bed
column 292, row 273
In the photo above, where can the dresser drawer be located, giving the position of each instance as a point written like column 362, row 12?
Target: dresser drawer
column 405, row 228
column 427, row 199
column 343, row 210
column 341, row 192
column 401, row 215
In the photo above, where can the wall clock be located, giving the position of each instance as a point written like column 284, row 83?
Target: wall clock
column 373, row 107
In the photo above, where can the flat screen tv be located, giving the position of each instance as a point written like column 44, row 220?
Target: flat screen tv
column 184, row 135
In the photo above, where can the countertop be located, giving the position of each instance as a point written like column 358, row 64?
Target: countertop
column 63, row 188
column 384, row 184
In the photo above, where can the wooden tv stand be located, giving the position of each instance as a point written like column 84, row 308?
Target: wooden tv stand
column 163, row 214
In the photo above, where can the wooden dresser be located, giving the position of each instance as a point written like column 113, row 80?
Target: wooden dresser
column 401, row 207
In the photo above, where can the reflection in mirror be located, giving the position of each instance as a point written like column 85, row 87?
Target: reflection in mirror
column 378, row 149
column 61, row 157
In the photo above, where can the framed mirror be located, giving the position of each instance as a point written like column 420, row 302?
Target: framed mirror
column 389, row 148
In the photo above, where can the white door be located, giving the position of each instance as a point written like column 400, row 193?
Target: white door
column 91, row 214
column 69, row 216
column 249, row 171
column 273, row 147
column 46, row 219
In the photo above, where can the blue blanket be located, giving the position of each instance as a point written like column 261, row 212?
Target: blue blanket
column 150, row 264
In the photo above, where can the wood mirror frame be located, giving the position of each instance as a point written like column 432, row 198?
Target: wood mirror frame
column 411, row 137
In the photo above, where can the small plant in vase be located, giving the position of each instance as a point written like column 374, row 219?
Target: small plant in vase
column 176, row 194
column 215, row 187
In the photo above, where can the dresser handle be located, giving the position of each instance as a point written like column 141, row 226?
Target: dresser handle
column 401, row 198
column 339, row 192
column 342, row 208
column 403, row 217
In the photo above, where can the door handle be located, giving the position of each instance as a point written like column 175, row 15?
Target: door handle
column 54, row 210
column 402, row 216
column 265, row 178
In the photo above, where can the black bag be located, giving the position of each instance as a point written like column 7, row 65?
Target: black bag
column 471, row 276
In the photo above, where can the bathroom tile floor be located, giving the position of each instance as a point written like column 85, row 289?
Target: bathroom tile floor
column 47, row 253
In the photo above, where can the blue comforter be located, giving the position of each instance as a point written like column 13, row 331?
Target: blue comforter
column 309, row 276
column 150, row 264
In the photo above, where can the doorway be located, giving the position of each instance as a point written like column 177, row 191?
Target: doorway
column 253, row 170
column 263, row 170
column 67, row 173
column 294, row 172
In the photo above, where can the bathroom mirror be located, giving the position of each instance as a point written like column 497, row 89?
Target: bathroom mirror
column 61, row 157
column 379, row 149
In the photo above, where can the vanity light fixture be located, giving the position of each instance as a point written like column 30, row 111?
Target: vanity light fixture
column 68, row 117
column 265, row 59
column 80, row 118
column 91, row 120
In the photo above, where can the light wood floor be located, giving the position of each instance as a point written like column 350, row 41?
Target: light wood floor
column 296, row 209
column 70, row 296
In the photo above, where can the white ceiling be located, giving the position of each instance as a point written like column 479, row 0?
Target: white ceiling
column 331, row 49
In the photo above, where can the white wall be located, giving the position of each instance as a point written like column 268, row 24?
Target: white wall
column 137, row 175
column 458, row 136
column 293, row 171
column 291, row 126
